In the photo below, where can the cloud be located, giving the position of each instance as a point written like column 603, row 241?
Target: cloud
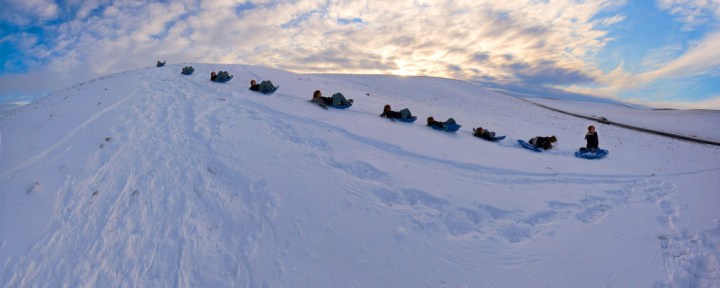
column 672, row 73
column 429, row 32
column 667, row 63
column 481, row 56
column 658, row 58
column 699, row 58
column 693, row 13
column 547, row 73
column 85, row 8
column 25, row 12
column 534, row 42
column 712, row 102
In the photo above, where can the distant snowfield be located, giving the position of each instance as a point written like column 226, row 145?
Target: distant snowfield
column 693, row 123
column 150, row 178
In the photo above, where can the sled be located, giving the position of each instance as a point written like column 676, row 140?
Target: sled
column 188, row 70
column 341, row 106
column 345, row 106
column 529, row 146
column 223, row 80
column 494, row 139
column 267, row 92
column 409, row 119
column 587, row 154
column 448, row 127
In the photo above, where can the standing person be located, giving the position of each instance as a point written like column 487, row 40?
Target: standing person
column 592, row 140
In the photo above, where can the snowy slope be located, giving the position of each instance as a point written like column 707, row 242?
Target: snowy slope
column 151, row 178
column 692, row 123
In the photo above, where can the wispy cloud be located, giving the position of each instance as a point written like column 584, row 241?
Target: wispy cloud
column 699, row 58
column 692, row 12
column 24, row 12
column 662, row 56
column 713, row 101
column 663, row 65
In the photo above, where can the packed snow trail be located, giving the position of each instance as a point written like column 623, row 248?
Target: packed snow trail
column 144, row 207
column 160, row 179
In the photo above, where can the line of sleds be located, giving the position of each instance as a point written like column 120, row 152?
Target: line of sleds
column 590, row 151
column 265, row 87
column 537, row 144
column 339, row 101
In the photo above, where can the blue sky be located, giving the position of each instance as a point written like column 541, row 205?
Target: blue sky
column 663, row 53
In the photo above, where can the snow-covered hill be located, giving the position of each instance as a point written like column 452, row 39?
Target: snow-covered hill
column 691, row 123
column 149, row 178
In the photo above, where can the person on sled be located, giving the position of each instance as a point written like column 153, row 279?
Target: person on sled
column 438, row 124
column 543, row 142
column 390, row 114
column 484, row 133
column 592, row 140
column 336, row 100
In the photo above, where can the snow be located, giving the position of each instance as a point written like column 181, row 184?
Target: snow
column 693, row 123
column 152, row 178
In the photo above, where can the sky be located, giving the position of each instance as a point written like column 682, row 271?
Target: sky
column 663, row 53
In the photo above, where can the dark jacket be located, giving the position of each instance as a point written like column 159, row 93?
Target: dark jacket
column 322, row 101
column 213, row 77
column 391, row 114
column 592, row 140
column 486, row 134
column 255, row 87
column 542, row 142
column 327, row 100
column 437, row 124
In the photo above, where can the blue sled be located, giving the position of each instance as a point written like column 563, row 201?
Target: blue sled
column 409, row 119
column 341, row 106
column 223, row 80
column 452, row 127
column 493, row 139
column 597, row 154
column 448, row 127
column 267, row 92
column 529, row 146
